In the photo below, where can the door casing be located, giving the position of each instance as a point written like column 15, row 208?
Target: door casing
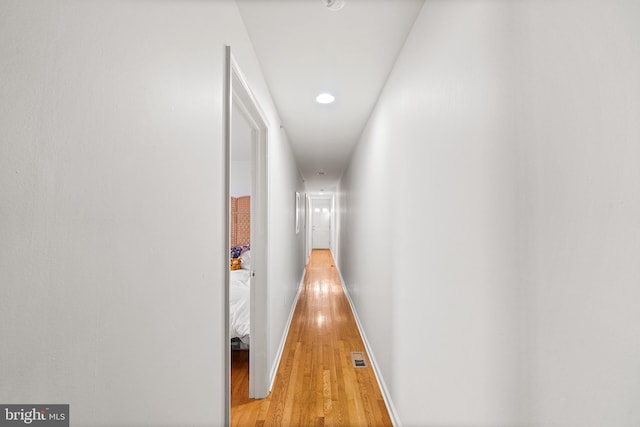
column 239, row 94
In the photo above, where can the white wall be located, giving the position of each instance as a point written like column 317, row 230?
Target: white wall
column 428, row 223
column 240, row 178
column 112, row 207
column 286, row 261
column 490, row 216
column 240, row 174
column 579, row 180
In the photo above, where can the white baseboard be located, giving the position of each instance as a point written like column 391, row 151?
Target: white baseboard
column 393, row 414
column 285, row 333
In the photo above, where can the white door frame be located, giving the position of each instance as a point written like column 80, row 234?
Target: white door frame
column 333, row 237
column 238, row 93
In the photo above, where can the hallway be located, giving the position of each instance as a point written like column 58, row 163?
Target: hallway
column 482, row 157
column 316, row 383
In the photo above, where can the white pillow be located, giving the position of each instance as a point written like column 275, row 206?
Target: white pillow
column 246, row 260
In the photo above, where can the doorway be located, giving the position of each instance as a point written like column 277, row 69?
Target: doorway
column 242, row 109
column 321, row 224
column 321, row 232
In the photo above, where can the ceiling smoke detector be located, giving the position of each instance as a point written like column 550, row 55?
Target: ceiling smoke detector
column 333, row 5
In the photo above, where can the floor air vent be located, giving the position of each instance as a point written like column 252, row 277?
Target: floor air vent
column 358, row 359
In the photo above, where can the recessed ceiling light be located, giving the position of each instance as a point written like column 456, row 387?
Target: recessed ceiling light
column 325, row 98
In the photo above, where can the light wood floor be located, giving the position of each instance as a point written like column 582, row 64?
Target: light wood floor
column 316, row 383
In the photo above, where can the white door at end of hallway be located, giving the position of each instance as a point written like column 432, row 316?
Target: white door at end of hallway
column 321, row 224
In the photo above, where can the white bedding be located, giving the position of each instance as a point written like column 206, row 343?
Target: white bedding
column 239, row 304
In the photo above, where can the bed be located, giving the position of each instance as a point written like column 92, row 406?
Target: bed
column 240, row 281
column 239, row 300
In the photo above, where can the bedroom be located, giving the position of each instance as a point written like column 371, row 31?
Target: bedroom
column 240, row 190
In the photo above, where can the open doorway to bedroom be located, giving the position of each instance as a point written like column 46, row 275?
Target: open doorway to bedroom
column 240, row 184
column 247, row 278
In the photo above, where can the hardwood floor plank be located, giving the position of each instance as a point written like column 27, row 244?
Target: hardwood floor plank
column 316, row 383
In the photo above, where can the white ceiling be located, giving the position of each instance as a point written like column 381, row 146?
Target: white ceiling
column 305, row 49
